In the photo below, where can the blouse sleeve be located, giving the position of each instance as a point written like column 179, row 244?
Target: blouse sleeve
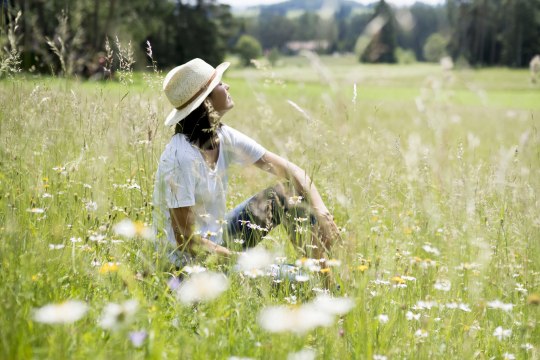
column 243, row 149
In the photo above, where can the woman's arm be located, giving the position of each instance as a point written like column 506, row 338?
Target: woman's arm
column 183, row 221
column 283, row 168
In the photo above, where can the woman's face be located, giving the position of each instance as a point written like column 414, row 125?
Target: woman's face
column 221, row 100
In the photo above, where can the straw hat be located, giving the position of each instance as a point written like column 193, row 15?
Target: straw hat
column 187, row 85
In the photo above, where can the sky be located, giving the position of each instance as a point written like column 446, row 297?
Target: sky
column 244, row 3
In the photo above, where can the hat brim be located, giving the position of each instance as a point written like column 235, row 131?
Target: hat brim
column 176, row 116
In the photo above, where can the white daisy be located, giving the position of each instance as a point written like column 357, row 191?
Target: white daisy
column 204, row 286
column 64, row 313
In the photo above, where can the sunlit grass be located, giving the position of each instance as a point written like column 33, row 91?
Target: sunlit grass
column 433, row 176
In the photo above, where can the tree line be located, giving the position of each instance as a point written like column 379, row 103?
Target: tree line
column 72, row 37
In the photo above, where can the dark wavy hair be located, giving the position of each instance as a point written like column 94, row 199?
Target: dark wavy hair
column 200, row 126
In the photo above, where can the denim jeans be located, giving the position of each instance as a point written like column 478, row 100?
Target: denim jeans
column 256, row 216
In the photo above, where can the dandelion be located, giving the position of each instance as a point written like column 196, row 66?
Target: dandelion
column 362, row 268
column 501, row 333
column 497, row 304
column 137, row 338
column 383, row 318
column 204, row 286
column 304, row 354
column 130, row 229
column 109, row 267
column 64, row 313
column 398, row 280
column 442, row 285
column 116, row 316
column 56, row 246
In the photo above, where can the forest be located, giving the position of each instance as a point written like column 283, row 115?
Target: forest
column 66, row 37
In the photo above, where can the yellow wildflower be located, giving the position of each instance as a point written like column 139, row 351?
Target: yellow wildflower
column 533, row 299
column 362, row 268
column 108, row 267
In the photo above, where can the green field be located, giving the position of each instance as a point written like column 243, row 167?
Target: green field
column 433, row 177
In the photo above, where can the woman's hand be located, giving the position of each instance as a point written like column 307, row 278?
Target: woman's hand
column 329, row 231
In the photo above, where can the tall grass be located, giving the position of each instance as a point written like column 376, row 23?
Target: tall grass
column 434, row 186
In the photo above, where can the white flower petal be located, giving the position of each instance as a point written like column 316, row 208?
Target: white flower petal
column 204, row 286
column 67, row 312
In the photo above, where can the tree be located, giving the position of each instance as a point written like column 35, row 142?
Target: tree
column 494, row 32
column 273, row 56
column 427, row 20
column 274, row 30
column 178, row 30
column 382, row 47
column 351, row 30
column 520, row 40
column 248, row 48
column 435, row 47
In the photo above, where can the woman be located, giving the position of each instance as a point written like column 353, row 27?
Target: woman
column 191, row 180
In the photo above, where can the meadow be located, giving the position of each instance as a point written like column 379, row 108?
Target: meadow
column 433, row 177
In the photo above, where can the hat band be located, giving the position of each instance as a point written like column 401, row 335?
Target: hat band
column 198, row 93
